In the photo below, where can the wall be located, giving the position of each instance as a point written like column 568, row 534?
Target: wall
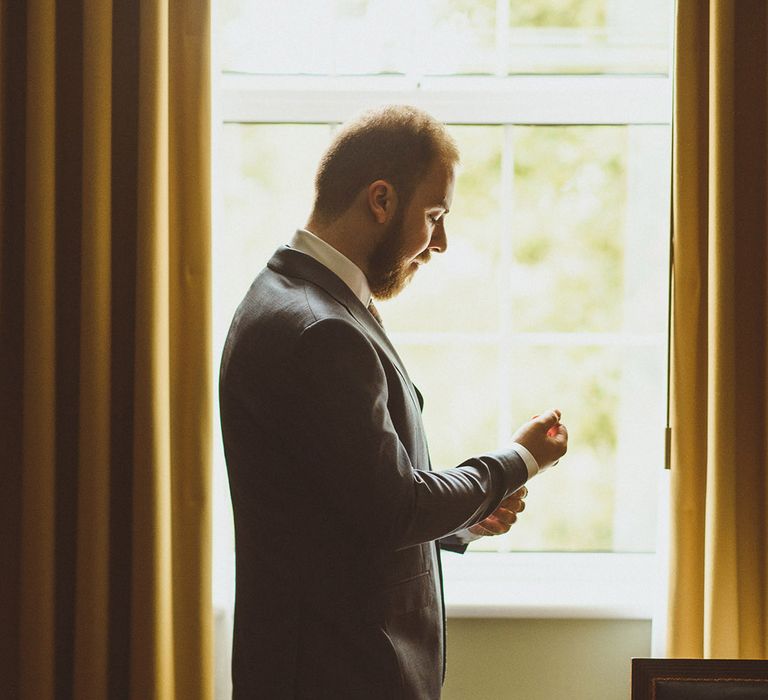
column 518, row 659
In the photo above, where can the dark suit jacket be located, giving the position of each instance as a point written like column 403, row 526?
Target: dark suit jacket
column 339, row 591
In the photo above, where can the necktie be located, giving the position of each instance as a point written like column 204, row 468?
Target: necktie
column 375, row 313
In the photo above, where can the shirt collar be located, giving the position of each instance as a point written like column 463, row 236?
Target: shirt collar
column 308, row 243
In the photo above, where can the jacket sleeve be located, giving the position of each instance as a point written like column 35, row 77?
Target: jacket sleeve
column 361, row 469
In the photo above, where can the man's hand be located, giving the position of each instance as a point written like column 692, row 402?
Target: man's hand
column 545, row 437
column 499, row 522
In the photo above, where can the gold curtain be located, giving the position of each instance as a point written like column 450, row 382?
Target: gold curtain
column 105, row 371
column 718, row 601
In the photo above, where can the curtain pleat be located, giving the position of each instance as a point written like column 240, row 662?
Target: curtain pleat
column 13, row 128
column 152, row 584
column 123, row 347
column 92, row 575
column 105, row 372
column 38, row 498
column 750, row 222
column 718, row 582
column 190, row 376
column 68, row 254
column 689, row 342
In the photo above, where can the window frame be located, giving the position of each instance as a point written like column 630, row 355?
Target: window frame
column 476, row 100
column 561, row 585
column 487, row 584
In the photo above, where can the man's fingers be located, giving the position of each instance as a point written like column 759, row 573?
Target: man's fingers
column 545, row 437
column 514, row 499
column 559, row 433
column 504, row 516
column 498, row 524
column 515, row 505
column 550, row 419
column 507, row 514
column 502, row 519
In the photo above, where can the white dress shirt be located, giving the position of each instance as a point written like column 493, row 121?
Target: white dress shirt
column 308, row 243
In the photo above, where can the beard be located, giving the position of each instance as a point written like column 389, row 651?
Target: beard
column 390, row 269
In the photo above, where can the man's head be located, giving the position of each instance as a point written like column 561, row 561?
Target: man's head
column 391, row 172
column 397, row 143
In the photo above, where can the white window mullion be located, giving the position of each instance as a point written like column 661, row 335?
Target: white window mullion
column 526, row 99
column 528, row 339
column 502, row 37
column 507, row 196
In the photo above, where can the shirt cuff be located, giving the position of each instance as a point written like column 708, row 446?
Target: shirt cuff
column 465, row 536
column 530, row 461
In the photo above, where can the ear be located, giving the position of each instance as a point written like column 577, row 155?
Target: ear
column 382, row 201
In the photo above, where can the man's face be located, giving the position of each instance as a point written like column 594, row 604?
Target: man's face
column 415, row 232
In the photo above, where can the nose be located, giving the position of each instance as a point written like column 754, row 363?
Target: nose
column 439, row 240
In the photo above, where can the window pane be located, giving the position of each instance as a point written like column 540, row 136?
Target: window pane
column 460, row 387
column 459, row 290
column 589, row 228
column 443, row 37
column 461, row 37
column 274, row 36
column 589, row 36
column 266, row 173
column 603, row 494
column 328, row 37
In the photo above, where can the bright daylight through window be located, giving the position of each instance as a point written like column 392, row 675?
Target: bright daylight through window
column 553, row 291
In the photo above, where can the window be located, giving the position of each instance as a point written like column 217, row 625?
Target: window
column 553, row 291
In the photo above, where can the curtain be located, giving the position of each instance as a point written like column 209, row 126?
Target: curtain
column 105, row 371
column 718, row 596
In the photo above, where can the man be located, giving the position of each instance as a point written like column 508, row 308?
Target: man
column 337, row 512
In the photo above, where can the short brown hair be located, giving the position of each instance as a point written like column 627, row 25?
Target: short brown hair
column 396, row 143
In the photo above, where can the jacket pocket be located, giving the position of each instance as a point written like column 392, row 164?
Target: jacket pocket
column 412, row 593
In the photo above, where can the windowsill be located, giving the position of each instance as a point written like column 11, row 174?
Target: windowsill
column 550, row 585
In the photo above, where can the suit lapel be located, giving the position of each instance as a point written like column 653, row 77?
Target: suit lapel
column 292, row 263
